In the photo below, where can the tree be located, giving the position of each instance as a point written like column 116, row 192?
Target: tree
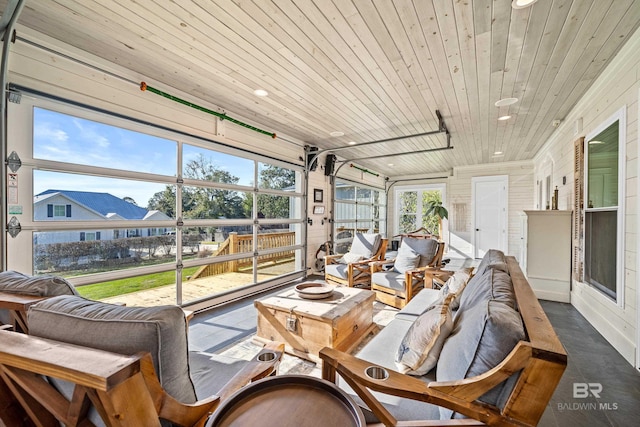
column 201, row 202
column 164, row 201
column 274, row 177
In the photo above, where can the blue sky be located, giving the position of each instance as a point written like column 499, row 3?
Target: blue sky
column 65, row 138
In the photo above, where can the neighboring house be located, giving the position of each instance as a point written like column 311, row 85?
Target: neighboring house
column 62, row 205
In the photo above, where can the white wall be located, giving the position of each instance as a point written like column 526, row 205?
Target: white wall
column 617, row 87
column 458, row 200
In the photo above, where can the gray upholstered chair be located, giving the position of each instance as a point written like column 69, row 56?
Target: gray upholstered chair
column 161, row 331
column 15, row 283
column 396, row 281
column 352, row 269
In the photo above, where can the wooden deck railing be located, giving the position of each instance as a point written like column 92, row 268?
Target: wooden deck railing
column 238, row 244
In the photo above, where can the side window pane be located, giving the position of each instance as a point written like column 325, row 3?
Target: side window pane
column 70, row 139
column 276, row 178
column 207, row 165
column 602, row 168
column 215, row 203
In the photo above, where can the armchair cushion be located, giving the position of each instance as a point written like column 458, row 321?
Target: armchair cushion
column 389, row 279
column 350, row 257
column 365, row 245
column 407, row 259
column 420, row 348
column 427, row 248
column 337, row 270
column 161, row 331
column 13, row 282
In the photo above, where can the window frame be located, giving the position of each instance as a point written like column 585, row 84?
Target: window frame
column 22, row 126
column 420, row 188
column 619, row 116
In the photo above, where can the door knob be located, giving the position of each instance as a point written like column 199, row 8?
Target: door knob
column 477, row 229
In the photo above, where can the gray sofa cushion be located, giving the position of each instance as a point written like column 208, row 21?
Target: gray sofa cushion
column 493, row 256
column 418, row 304
column 493, row 284
column 13, row 282
column 210, row 372
column 161, row 331
column 380, row 351
column 420, row 348
column 483, row 335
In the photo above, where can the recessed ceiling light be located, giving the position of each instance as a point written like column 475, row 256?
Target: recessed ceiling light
column 521, row 4
column 498, row 153
column 506, row 101
column 260, row 92
column 389, row 164
column 336, row 133
column 596, row 142
column 504, row 117
column 351, row 143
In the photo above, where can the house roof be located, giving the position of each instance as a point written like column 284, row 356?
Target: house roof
column 103, row 203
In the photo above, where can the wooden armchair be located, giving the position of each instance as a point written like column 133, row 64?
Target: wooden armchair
column 123, row 389
column 396, row 281
column 365, row 248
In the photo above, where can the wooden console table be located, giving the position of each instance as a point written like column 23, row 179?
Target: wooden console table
column 17, row 305
column 306, row 326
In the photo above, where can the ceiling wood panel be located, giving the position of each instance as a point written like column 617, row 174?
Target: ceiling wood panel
column 373, row 69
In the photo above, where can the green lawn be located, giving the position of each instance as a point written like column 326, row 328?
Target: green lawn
column 132, row 284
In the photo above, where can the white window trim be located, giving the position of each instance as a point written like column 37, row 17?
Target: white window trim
column 621, row 116
column 442, row 187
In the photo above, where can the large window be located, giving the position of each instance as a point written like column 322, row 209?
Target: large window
column 603, row 234
column 357, row 209
column 413, row 205
column 120, row 207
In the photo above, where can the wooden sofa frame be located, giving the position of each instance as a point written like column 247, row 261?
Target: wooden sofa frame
column 541, row 360
column 124, row 389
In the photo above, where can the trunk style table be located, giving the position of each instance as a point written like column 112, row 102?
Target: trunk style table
column 306, row 326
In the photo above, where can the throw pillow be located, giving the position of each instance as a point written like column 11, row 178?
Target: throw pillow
column 407, row 259
column 455, row 285
column 420, row 348
column 348, row 258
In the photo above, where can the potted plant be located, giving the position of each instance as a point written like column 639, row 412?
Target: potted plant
column 434, row 207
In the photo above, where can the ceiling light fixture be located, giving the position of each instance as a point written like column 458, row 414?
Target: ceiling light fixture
column 506, row 101
column 351, row 143
column 521, row 4
column 260, row 92
column 498, row 153
column 502, row 118
column 336, row 133
column 389, row 164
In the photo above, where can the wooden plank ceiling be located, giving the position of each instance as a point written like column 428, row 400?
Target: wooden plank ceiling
column 372, row 69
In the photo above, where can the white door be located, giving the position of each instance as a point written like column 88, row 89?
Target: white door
column 489, row 213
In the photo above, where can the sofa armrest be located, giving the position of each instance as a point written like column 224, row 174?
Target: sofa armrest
column 459, row 396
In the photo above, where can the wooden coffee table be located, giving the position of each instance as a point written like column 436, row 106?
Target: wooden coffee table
column 306, row 326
